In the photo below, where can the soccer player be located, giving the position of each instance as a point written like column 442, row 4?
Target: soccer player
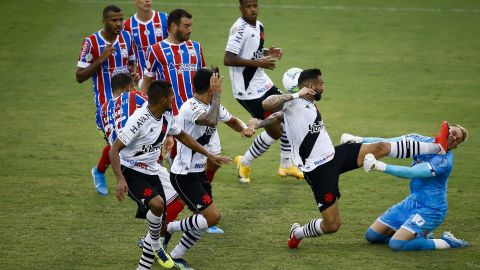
column 104, row 54
column 247, row 58
column 175, row 59
column 406, row 225
column 146, row 27
column 134, row 158
column 321, row 162
column 199, row 116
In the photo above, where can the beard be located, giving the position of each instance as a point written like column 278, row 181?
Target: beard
column 318, row 96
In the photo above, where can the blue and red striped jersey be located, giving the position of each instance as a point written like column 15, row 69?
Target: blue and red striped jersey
column 145, row 34
column 176, row 64
column 92, row 48
column 112, row 115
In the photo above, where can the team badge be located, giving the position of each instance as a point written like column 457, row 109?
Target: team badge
column 146, row 32
column 158, row 32
column 147, row 63
column 124, row 53
column 88, row 57
column 191, row 52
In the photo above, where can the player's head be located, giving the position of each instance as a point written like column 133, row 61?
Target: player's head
column 121, row 82
column 201, row 79
column 180, row 24
column 142, row 5
column 312, row 78
column 112, row 19
column 456, row 135
column 249, row 10
column 160, row 94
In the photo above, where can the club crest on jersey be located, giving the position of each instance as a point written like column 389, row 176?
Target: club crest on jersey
column 158, row 32
column 124, row 53
column 146, row 32
column 88, row 57
column 191, row 51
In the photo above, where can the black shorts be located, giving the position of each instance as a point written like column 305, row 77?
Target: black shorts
column 194, row 189
column 142, row 188
column 254, row 106
column 324, row 179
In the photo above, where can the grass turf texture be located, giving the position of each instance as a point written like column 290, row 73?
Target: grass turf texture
column 390, row 68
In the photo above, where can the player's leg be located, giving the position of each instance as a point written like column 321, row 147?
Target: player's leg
column 324, row 183
column 98, row 172
column 378, row 233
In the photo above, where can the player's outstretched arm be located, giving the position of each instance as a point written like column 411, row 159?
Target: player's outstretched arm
column 114, row 154
column 146, row 83
column 232, row 60
column 195, row 146
column 239, row 126
column 275, row 103
column 421, row 170
column 273, row 119
column 210, row 118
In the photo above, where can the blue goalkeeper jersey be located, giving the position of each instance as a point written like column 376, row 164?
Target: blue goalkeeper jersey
column 431, row 192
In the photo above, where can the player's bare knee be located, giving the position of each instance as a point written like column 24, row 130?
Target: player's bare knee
column 331, row 226
column 156, row 205
column 213, row 218
column 381, row 149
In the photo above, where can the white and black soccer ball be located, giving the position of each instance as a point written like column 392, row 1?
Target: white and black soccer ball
column 290, row 79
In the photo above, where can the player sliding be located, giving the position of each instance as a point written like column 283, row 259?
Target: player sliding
column 134, row 158
column 406, row 225
column 321, row 162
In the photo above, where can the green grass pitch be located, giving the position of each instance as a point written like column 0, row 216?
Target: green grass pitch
column 390, row 67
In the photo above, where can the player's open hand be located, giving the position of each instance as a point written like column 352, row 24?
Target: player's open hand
column 275, row 52
column 219, row 160
column 304, row 92
column 109, row 49
column 122, row 189
column 216, row 83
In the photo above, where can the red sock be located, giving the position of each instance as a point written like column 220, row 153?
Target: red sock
column 174, row 208
column 210, row 175
column 104, row 160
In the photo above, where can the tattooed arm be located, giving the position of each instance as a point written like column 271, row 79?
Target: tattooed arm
column 274, row 118
column 210, row 118
column 274, row 103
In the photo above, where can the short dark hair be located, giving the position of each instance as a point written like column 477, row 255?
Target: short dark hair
column 120, row 81
column 157, row 90
column 176, row 15
column 111, row 8
column 307, row 75
column 201, row 79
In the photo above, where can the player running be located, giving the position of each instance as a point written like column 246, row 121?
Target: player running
column 321, row 162
column 104, row 54
column 247, row 58
column 199, row 117
column 407, row 225
column 147, row 27
column 134, row 158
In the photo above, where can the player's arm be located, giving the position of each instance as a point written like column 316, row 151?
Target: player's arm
column 274, row 119
column 421, row 170
column 239, row 126
column 233, row 60
column 84, row 74
column 210, row 118
column 114, row 155
column 191, row 143
column 274, row 103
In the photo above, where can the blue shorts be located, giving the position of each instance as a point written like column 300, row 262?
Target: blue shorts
column 413, row 217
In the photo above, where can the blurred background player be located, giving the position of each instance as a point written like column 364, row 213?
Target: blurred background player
column 104, row 54
column 199, row 116
column 406, row 226
column 146, row 27
column 316, row 156
column 134, row 157
column 247, row 58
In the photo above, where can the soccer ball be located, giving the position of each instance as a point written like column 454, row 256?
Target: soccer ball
column 290, row 79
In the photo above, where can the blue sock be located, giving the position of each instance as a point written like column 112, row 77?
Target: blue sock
column 414, row 244
column 376, row 238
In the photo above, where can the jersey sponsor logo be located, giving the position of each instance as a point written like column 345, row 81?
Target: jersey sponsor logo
column 320, row 161
column 158, row 31
column 210, row 130
column 239, row 36
column 316, row 127
column 137, row 164
column 186, row 67
column 150, row 148
column 199, row 166
column 140, row 122
column 258, row 54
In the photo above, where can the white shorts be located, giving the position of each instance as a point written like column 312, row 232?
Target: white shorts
column 170, row 193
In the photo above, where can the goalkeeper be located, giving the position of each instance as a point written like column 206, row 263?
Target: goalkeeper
column 406, row 226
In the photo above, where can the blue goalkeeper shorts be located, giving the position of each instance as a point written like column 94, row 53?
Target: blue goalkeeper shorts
column 412, row 216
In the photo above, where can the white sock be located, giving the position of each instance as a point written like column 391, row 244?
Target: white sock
column 285, row 152
column 311, row 229
column 440, row 244
column 191, row 223
column 188, row 240
column 407, row 149
column 261, row 144
column 154, row 225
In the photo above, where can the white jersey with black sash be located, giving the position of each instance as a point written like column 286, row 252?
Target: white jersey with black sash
column 311, row 144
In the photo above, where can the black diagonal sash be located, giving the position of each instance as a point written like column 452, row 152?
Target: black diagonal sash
column 205, row 138
column 308, row 142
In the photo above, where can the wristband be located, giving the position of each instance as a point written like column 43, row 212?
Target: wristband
column 295, row 95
